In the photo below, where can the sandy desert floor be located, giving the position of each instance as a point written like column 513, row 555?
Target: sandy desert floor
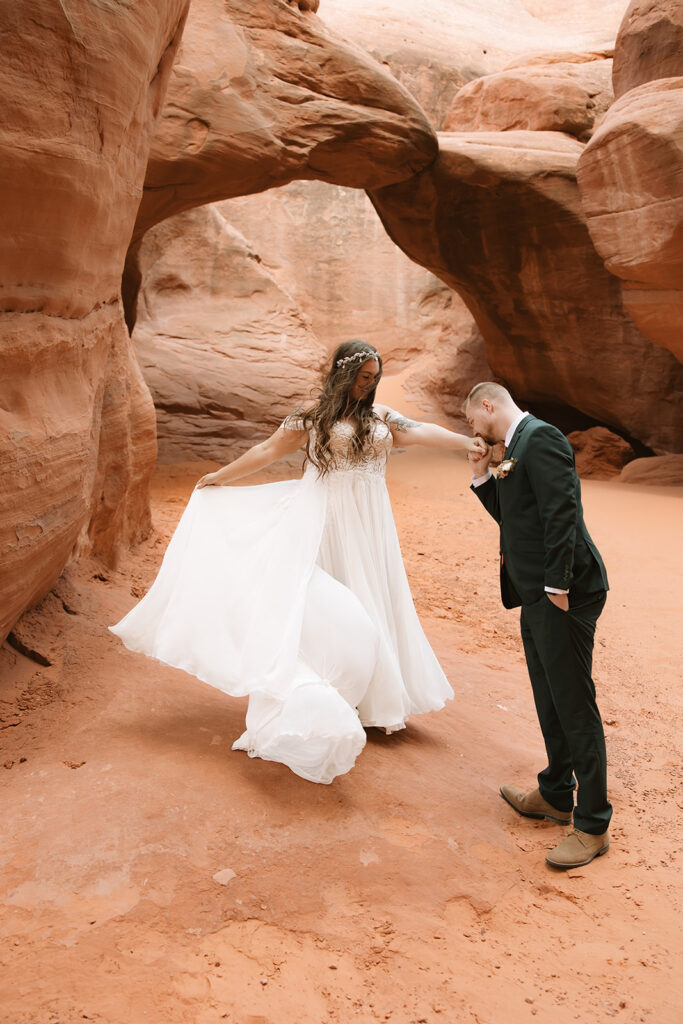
column 150, row 874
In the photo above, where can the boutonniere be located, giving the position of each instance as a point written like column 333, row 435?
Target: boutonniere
column 505, row 468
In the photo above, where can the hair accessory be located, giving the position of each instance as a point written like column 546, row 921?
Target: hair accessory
column 357, row 357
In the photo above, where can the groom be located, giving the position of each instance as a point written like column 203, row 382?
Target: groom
column 550, row 566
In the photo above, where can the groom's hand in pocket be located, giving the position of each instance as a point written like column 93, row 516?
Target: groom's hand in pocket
column 560, row 600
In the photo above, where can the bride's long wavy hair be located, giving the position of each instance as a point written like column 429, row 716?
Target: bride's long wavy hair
column 334, row 404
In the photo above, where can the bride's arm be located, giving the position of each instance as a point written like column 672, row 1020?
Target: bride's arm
column 407, row 432
column 284, row 441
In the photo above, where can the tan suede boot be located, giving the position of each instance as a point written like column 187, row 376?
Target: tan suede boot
column 577, row 849
column 532, row 805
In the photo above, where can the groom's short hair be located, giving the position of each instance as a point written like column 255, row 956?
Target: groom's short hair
column 487, row 389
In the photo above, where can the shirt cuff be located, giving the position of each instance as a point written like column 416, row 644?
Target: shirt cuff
column 554, row 590
column 477, row 481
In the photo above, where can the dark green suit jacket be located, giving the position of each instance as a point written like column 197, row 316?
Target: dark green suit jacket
column 543, row 538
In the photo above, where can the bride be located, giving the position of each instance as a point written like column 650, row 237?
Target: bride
column 295, row 592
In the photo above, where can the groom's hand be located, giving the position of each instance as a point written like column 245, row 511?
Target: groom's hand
column 561, row 600
column 480, row 456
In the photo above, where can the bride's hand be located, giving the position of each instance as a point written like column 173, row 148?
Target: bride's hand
column 477, row 448
column 479, row 454
column 205, row 481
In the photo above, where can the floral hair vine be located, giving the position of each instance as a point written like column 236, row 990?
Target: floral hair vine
column 357, row 357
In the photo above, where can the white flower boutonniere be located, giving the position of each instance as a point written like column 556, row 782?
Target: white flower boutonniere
column 505, row 468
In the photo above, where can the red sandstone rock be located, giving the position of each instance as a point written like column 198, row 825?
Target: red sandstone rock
column 226, row 352
column 441, row 380
column 664, row 470
column 552, row 96
column 498, row 217
column 599, row 452
column 649, row 44
column 262, row 95
column 359, row 284
column 81, row 89
column 437, row 46
column 630, row 179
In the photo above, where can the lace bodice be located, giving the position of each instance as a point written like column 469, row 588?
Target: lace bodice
column 373, row 459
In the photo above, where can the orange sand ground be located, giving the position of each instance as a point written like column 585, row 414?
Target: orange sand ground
column 152, row 875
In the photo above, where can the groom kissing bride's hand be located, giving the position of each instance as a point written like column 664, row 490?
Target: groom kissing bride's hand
column 550, row 567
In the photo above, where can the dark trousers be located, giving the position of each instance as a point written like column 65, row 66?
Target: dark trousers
column 559, row 654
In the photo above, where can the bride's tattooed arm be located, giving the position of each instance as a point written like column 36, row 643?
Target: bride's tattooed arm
column 400, row 423
column 410, row 432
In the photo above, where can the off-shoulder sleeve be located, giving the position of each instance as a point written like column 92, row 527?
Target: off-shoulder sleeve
column 293, row 422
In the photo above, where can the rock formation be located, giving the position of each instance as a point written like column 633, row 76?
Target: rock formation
column 436, row 47
column 631, row 172
column 649, row 44
column 600, row 453
column 262, row 95
column 547, row 95
column 498, row 217
column 231, row 333
column 662, row 471
column 226, row 352
column 270, row 96
column 81, row 90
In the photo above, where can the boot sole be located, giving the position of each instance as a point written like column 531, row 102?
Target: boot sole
column 539, row 816
column 578, row 863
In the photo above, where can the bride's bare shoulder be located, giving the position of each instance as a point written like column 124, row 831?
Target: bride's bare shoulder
column 296, row 420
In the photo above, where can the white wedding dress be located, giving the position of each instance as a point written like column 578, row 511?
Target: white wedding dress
column 295, row 594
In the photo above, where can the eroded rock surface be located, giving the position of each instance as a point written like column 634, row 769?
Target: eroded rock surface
column 261, row 95
column 663, row 470
column 436, row 47
column 81, row 90
column 600, row 452
column 326, row 246
column 631, row 172
column 498, row 217
column 550, row 95
column 227, row 353
column 649, row 44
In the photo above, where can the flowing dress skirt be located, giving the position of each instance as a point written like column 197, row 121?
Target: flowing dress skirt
column 294, row 593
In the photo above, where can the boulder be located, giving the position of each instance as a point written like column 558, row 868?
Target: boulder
column 662, row 470
column 599, row 452
column 550, row 96
column 498, row 217
column 81, row 90
column 649, row 44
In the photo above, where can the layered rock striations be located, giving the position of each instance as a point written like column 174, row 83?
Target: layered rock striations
column 263, row 94
column 649, row 44
column 226, row 351
column 498, row 217
column 436, row 47
column 81, row 90
column 631, row 173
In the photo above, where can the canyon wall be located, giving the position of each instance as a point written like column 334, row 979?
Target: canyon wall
column 82, row 88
